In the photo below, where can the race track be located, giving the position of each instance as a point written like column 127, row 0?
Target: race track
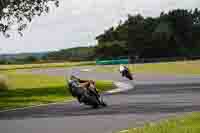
column 154, row 97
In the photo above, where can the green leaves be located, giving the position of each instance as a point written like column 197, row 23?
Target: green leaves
column 21, row 13
column 163, row 36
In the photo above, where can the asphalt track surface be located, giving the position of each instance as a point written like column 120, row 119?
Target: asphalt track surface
column 154, row 97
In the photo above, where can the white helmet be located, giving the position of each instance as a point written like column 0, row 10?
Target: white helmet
column 74, row 74
column 121, row 68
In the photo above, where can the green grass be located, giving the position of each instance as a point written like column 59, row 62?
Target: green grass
column 188, row 124
column 3, row 83
column 27, row 90
column 104, row 85
column 187, row 67
column 45, row 65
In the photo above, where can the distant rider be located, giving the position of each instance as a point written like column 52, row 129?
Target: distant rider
column 123, row 70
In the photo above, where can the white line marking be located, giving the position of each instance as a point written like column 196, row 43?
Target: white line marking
column 121, row 87
column 86, row 70
column 37, row 106
column 123, row 131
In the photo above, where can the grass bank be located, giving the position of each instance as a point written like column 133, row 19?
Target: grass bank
column 46, row 65
column 182, row 67
column 27, row 90
column 187, row 124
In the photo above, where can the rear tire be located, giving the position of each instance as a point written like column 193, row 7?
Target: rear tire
column 129, row 76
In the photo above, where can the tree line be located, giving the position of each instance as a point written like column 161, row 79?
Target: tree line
column 172, row 34
column 70, row 54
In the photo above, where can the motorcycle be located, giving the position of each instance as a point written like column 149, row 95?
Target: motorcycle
column 91, row 98
column 126, row 73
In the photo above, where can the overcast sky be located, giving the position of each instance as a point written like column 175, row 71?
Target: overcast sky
column 77, row 22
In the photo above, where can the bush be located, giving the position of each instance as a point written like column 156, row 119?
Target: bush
column 3, row 83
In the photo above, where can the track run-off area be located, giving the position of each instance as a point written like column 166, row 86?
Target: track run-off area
column 150, row 97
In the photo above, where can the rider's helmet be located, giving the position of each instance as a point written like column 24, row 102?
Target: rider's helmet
column 72, row 85
column 121, row 68
column 73, row 75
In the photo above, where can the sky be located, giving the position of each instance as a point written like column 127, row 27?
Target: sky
column 77, row 23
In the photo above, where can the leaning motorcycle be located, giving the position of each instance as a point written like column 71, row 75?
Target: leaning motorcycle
column 93, row 99
column 90, row 97
column 126, row 73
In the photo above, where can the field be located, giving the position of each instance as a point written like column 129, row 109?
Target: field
column 187, row 124
column 28, row 89
column 182, row 67
column 45, row 65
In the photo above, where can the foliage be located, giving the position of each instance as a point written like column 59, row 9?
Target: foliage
column 72, row 54
column 111, row 49
column 188, row 124
column 30, row 59
column 171, row 34
column 3, row 83
column 29, row 89
column 21, row 12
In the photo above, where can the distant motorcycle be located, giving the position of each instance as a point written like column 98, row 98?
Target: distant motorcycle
column 126, row 72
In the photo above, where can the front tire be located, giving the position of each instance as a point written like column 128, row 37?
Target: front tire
column 130, row 77
column 95, row 106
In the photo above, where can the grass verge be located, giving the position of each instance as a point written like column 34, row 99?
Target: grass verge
column 3, row 83
column 28, row 90
column 188, row 124
column 45, row 65
column 184, row 67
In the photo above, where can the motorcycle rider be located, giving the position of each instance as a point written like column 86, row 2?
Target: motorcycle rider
column 78, row 87
column 123, row 70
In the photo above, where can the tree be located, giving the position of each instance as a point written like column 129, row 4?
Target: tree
column 21, row 12
column 111, row 49
column 78, row 53
column 136, row 35
column 196, row 16
column 30, row 59
column 3, row 61
column 175, row 33
column 108, row 35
